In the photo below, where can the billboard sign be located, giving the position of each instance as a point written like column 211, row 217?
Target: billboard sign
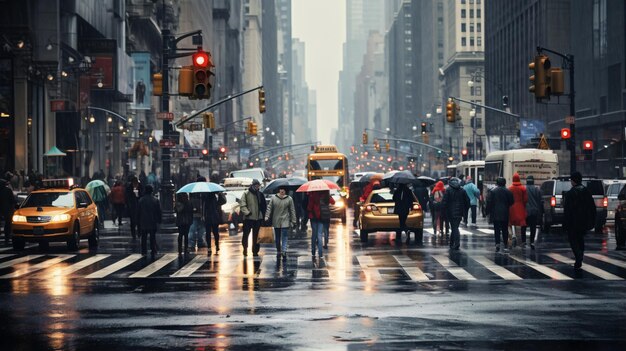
column 142, row 84
column 530, row 129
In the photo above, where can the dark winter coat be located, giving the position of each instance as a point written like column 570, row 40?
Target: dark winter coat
column 212, row 208
column 148, row 212
column 7, row 198
column 132, row 200
column 184, row 213
column 403, row 200
column 534, row 206
column 499, row 200
column 455, row 200
column 421, row 193
column 579, row 209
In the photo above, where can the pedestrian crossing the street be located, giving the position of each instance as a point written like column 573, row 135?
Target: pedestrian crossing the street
column 416, row 265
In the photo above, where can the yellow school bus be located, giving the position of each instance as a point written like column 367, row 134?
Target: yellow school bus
column 327, row 163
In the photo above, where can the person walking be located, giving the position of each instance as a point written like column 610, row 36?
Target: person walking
column 455, row 203
column 7, row 207
column 212, row 214
column 534, row 210
column 184, row 218
column 253, row 206
column 436, row 207
column 499, row 201
column 197, row 229
column 472, row 193
column 134, row 191
column 317, row 233
column 517, row 212
column 282, row 212
column 325, row 201
column 579, row 212
column 148, row 216
column 117, row 199
column 403, row 199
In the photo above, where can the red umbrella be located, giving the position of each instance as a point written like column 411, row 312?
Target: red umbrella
column 317, row 185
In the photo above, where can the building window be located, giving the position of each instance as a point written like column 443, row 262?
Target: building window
column 463, row 13
column 478, row 13
column 471, row 1
column 478, row 90
column 599, row 28
column 463, row 41
column 479, row 41
column 472, row 41
column 471, row 27
column 462, row 2
column 478, row 108
column 463, row 28
column 478, row 27
column 478, row 2
column 472, row 13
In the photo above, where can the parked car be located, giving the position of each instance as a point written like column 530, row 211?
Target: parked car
column 620, row 220
column 552, row 197
column 376, row 214
column 613, row 188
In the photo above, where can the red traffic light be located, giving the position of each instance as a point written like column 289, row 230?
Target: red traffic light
column 464, row 152
column 205, row 151
column 200, row 59
column 222, row 149
column 566, row 133
column 587, row 145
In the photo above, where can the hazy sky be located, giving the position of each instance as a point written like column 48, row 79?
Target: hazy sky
column 321, row 25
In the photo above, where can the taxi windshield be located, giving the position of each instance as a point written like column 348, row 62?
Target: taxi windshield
column 65, row 200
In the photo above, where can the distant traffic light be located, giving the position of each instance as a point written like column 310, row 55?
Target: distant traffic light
column 588, row 150
column 450, row 159
column 253, row 128
column 387, row 146
column 423, row 127
column 566, row 133
column 451, row 110
column 205, row 154
column 364, row 138
column 223, row 155
column 540, row 80
column 464, row 153
column 208, row 120
column 261, row 100
column 157, row 84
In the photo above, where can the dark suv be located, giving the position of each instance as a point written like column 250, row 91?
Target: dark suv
column 620, row 220
column 552, row 197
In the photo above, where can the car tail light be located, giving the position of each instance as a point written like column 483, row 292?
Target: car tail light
column 605, row 202
column 416, row 207
column 371, row 208
column 553, row 201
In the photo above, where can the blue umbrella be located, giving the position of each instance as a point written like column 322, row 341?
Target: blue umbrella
column 201, row 187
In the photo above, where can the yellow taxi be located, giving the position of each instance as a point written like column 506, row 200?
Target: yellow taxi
column 377, row 214
column 58, row 212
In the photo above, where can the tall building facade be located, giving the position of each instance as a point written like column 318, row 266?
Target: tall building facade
column 370, row 82
column 253, row 64
column 301, row 129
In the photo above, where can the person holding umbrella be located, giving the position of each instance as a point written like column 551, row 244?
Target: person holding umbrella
column 211, row 204
column 184, row 218
column 281, row 211
column 99, row 191
column 317, row 189
column 403, row 201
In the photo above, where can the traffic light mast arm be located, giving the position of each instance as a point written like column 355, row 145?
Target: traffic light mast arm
column 215, row 104
column 486, row 107
column 421, row 144
column 280, row 147
column 223, row 128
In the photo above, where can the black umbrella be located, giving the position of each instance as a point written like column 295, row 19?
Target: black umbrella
column 399, row 177
column 367, row 177
column 290, row 183
column 424, row 181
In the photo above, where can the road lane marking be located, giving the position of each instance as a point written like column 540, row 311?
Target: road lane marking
column 304, row 272
column 37, row 267
column 191, row 267
column 367, row 264
column 552, row 273
column 497, row 269
column 607, row 259
column 154, row 266
column 18, row 260
column 80, row 265
column 411, row 269
column 267, row 267
column 3, row 256
column 485, row 231
column 453, row 268
column 585, row 267
column 465, row 232
column 115, row 267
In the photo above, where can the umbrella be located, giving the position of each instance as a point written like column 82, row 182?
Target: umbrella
column 290, row 183
column 399, row 177
column 201, row 187
column 425, row 181
column 370, row 176
column 98, row 190
column 318, row 185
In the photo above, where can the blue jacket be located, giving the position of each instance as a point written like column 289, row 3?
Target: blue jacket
column 472, row 193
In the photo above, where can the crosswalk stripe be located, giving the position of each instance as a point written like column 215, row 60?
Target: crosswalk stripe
column 268, row 267
column 3, row 256
column 552, row 273
column 191, row 267
column 499, row 270
column 154, row 266
column 429, row 230
column 453, row 268
column 367, row 264
column 485, row 231
column 607, row 259
column 304, row 273
column 80, row 265
column 465, row 232
column 409, row 266
column 587, row 268
column 114, row 267
column 18, row 260
column 37, row 267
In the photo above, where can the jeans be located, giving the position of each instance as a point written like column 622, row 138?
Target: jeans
column 317, row 236
column 144, row 239
column 455, row 238
column 255, row 226
column 196, row 232
column 183, row 237
column 501, row 228
column 280, row 238
column 473, row 209
column 215, row 228
column 326, row 231
column 577, row 243
column 531, row 222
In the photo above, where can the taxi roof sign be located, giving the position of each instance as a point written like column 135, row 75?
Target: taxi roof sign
column 326, row 148
column 64, row 183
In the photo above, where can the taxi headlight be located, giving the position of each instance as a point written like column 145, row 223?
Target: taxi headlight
column 64, row 217
column 339, row 203
column 19, row 219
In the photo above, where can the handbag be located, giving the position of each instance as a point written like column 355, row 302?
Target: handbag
column 266, row 235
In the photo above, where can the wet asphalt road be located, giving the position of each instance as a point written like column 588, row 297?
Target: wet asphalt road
column 380, row 296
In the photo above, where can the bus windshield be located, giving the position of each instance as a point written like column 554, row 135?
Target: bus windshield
column 326, row 165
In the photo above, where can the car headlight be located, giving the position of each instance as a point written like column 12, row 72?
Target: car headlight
column 339, row 203
column 64, row 217
column 19, row 219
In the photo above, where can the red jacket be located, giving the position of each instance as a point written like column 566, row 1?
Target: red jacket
column 517, row 212
column 117, row 195
column 313, row 206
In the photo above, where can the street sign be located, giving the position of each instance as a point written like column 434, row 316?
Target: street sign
column 165, row 116
column 543, row 143
column 570, row 120
column 167, row 144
